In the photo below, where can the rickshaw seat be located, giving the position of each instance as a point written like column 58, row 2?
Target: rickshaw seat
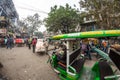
column 115, row 57
column 74, row 62
column 105, row 70
column 62, row 65
column 74, row 55
column 78, row 64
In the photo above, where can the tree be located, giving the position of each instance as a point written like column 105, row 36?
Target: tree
column 107, row 12
column 33, row 23
column 38, row 34
column 62, row 19
column 23, row 26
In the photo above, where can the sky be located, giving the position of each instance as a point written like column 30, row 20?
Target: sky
column 42, row 7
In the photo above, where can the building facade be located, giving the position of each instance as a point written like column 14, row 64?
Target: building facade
column 89, row 23
column 8, row 17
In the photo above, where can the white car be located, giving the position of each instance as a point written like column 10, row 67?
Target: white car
column 40, row 46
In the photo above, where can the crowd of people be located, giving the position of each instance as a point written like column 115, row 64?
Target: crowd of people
column 33, row 41
column 8, row 42
column 102, row 44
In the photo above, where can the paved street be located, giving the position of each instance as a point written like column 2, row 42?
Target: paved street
column 21, row 64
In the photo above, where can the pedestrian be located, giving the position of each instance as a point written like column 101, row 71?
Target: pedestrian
column 5, row 41
column 46, row 46
column 11, row 42
column 29, row 43
column 8, row 43
column 89, row 49
column 83, row 47
column 34, row 41
column 86, row 49
column 104, row 43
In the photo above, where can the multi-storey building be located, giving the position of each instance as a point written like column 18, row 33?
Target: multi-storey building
column 101, row 14
column 8, row 17
column 89, row 23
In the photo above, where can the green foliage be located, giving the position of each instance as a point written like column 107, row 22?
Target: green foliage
column 33, row 23
column 107, row 12
column 38, row 34
column 63, row 19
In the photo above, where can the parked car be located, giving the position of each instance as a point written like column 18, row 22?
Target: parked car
column 40, row 46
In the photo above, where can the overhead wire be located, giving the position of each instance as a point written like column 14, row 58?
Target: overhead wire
column 30, row 8
column 34, row 10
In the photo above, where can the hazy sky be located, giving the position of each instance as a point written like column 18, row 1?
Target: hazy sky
column 30, row 7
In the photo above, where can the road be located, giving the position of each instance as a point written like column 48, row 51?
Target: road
column 20, row 63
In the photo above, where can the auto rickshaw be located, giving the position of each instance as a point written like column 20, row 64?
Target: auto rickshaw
column 72, row 67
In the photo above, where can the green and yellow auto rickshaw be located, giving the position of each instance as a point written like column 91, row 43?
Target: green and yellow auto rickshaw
column 73, row 67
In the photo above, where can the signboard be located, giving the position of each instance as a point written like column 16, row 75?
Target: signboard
column 3, row 31
column 2, row 18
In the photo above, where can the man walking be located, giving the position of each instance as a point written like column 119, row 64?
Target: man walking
column 8, row 43
column 34, row 41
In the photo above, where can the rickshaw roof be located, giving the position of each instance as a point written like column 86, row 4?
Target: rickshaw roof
column 88, row 34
